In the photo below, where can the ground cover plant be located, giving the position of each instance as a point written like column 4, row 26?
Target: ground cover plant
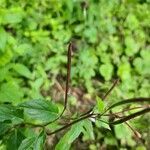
column 41, row 113
column 110, row 40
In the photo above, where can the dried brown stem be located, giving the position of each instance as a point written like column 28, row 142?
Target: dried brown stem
column 126, row 118
column 67, row 82
column 111, row 88
column 136, row 133
column 70, row 124
column 125, row 110
column 105, row 96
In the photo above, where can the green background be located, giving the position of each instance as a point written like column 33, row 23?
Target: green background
column 111, row 39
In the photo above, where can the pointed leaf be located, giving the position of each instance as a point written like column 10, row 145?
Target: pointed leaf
column 34, row 143
column 10, row 113
column 100, row 104
column 9, row 92
column 22, row 70
column 66, row 141
column 39, row 111
column 27, row 144
column 14, row 140
column 39, row 143
column 89, row 129
column 106, row 71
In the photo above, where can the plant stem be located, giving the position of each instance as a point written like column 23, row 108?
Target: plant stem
column 70, row 124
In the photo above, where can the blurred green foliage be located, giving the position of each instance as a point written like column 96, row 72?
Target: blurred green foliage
column 111, row 37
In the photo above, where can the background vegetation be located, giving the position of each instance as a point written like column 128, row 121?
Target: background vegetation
column 111, row 40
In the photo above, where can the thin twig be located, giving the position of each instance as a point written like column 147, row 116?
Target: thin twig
column 136, row 133
column 125, row 110
column 68, row 77
column 70, row 124
column 111, row 88
column 126, row 118
column 68, row 74
column 127, row 101
column 67, row 82
column 104, row 97
column 60, row 88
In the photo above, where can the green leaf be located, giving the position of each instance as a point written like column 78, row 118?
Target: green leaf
column 121, row 132
column 13, row 15
column 27, row 144
column 66, row 141
column 3, row 39
column 14, row 140
column 138, row 64
column 88, row 132
column 39, row 143
column 10, row 113
column 3, row 73
column 22, row 70
column 140, row 147
column 106, row 71
column 91, row 34
column 100, row 104
column 9, row 92
column 131, row 46
column 33, row 143
column 4, row 127
column 6, row 57
column 39, row 111
column 124, row 71
column 101, row 124
column 146, row 61
column 110, row 140
column 24, row 49
column 131, row 21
